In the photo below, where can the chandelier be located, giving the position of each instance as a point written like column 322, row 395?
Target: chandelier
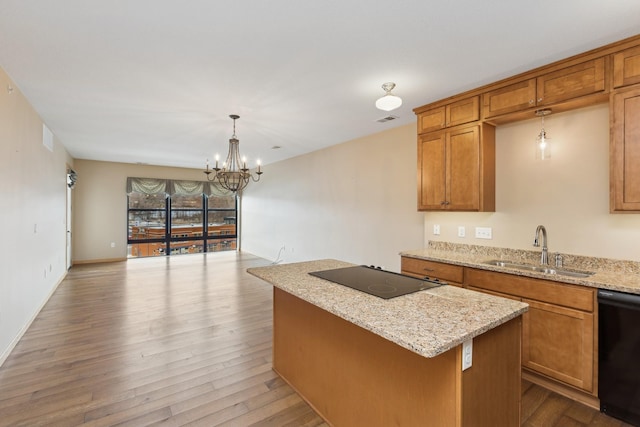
column 234, row 174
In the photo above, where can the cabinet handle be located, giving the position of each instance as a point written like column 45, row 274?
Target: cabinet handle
column 539, row 99
column 531, row 102
column 428, row 269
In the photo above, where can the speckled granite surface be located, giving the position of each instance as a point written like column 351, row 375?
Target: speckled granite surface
column 428, row 322
column 623, row 276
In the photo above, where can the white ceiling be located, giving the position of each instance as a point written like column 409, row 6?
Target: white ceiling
column 154, row 81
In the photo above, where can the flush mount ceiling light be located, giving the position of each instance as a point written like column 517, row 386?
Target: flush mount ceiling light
column 234, row 174
column 389, row 101
column 543, row 145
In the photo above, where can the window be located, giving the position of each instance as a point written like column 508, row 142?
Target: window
column 178, row 217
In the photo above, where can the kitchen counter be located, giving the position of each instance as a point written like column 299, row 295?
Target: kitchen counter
column 617, row 275
column 428, row 322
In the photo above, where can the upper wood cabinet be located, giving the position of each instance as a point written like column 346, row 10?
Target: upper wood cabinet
column 550, row 88
column 607, row 74
column 457, row 113
column 515, row 97
column 456, row 169
column 626, row 67
column 625, row 151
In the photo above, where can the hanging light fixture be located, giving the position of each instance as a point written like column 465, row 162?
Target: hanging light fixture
column 543, row 145
column 234, row 174
column 389, row 101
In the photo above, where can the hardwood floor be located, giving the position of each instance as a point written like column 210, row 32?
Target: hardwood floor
column 184, row 340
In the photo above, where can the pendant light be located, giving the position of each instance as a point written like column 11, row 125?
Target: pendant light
column 543, row 144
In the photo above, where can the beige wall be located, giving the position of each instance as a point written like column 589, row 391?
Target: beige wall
column 100, row 206
column 33, row 215
column 354, row 201
column 357, row 201
column 569, row 194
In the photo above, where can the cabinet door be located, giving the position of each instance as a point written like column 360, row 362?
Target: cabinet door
column 516, row 97
column 463, row 111
column 431, row 171
column 431, row 120
column 571, row 82
column 626, row 67
column 625, row 151
column 463, row 169
column 559, row 342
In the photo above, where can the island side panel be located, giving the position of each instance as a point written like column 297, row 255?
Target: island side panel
column 491, row 387
column 353, row 377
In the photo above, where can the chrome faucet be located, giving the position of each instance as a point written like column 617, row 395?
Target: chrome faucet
column 544, row 257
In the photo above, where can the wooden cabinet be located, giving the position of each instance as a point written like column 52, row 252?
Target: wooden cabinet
column 457, row 113
column 558, row 335
column 515, row 97
column 547, row 89
column 571, row 82
column 452, row 274
column 559, row 342
column 625, row 151
column 626, row 67
column 456, row 169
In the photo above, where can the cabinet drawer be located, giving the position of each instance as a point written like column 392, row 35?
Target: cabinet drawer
column 422, row 268
column 626, row 67
column 571, row 296
column 571, row 82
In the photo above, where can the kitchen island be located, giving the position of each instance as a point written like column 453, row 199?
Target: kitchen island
column 362, row 360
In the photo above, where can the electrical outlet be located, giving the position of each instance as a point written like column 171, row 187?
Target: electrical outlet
column 113, row 244
column 461, row 231
column 467, row 354
column 436, row 229
column 483, row 233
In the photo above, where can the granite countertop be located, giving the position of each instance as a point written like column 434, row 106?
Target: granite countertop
column 617, row 275
column 428, row 322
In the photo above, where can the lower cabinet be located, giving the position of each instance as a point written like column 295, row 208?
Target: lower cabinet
column 559, row 342
column 558, row 331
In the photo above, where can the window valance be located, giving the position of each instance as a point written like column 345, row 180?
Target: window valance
column 174, row 186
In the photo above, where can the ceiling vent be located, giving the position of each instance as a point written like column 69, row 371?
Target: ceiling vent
column 386, row 119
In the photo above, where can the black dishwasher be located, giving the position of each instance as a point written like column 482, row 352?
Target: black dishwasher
column 619, row 355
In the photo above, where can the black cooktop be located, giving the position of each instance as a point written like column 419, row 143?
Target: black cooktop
column 375, row 281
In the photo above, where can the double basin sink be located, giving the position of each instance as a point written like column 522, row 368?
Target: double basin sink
column 539, row 268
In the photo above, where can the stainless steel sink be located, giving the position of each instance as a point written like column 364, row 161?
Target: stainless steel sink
column 539, row 268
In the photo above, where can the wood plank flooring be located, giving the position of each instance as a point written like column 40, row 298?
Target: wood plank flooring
column 183, row 340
